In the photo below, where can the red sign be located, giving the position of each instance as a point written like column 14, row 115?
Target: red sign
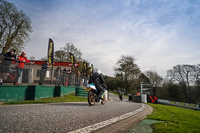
column 57, row 63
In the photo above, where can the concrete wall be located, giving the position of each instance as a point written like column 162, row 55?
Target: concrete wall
column 12, row 93
column 21, row 93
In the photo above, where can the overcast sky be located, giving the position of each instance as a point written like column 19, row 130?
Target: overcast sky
column 158, row 33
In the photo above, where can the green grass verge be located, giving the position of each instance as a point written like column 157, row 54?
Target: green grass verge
column 65, row 98
column 176, row 119
column 115, row 93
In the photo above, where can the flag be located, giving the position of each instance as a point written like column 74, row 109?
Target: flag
column 85, row 67
column 50, row 52
column 91, row 69
column 72, row 59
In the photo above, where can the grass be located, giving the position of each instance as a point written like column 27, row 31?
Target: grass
column 176, row 120
column 65, row 98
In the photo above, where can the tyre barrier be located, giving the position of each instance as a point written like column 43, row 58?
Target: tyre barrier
column 81, row 92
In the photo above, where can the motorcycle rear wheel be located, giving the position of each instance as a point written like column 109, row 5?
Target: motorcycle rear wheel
column 91, row 98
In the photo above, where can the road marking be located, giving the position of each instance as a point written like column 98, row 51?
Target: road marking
column 99, row 125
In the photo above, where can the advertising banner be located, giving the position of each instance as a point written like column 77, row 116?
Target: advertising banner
column 50, row 52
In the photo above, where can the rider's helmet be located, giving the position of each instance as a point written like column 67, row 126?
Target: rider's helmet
column 99, row 71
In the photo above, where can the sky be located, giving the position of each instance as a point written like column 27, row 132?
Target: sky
column 159, row 34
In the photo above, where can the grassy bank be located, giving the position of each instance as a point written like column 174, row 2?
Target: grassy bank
column 176, row 120
column 65, row 98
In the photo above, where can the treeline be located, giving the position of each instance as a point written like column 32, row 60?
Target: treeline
column 181, row 84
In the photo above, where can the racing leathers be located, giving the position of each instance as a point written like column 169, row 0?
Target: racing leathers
column 99, row 83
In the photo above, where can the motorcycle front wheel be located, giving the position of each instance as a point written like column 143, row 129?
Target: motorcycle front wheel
column 91, row 98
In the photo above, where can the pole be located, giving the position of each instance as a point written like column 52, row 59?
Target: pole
column 29, row 73
column 51, row 74
column 141, row 87
column 154, row 88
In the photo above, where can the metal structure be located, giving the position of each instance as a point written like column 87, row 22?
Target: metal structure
column 147, row 89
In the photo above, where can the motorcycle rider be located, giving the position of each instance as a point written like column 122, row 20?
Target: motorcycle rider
column 99, row 82
column 120, row 95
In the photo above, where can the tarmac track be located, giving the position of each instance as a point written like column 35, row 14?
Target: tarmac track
column 61, row 117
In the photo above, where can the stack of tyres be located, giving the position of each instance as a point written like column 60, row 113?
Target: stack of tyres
column 81, row 92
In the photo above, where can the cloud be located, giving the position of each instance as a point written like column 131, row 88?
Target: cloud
column 159, row 34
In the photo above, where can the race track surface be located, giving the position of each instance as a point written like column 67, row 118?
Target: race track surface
column 60, row 117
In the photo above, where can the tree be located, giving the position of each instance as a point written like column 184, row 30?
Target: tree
column 15, row 27
column 185, row 75
column 110, row 83
column 71, row 48
column 197, row 75
column 153, row 77
column 143, row 78
column 32, row 58
column 44, row 58
column 174, row 92
column 60, row 55
column 119, row 81
column 129, row 70
column 63, row 53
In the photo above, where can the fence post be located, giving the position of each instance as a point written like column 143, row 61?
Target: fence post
column 29, row 74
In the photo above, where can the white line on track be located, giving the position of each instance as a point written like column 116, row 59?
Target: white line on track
column 102, row 124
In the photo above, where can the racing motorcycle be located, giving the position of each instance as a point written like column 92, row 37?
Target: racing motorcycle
column 120, row 97
column 93, row 95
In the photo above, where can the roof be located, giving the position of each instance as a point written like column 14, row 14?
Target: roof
column 56, row 63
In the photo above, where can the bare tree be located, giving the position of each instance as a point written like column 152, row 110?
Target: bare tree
column 197, row 76
column 15, row 27
column 185, row 75
column 63, row 53
column 154, row 78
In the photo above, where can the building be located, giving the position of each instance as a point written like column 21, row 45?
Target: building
column 31, row 72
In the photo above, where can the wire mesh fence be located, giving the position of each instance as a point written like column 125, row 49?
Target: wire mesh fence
column 34, row 74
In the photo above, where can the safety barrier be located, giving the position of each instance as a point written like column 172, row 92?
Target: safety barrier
column 21, row 93
column 13, row 93
column 81, row 92
column 179, row 104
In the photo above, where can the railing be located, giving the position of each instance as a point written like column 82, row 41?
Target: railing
column 31, row 75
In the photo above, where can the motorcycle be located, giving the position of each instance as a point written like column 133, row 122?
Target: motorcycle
column 93, row 95
column 120, row 97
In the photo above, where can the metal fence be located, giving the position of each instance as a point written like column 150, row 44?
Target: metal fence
column 32, row 74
